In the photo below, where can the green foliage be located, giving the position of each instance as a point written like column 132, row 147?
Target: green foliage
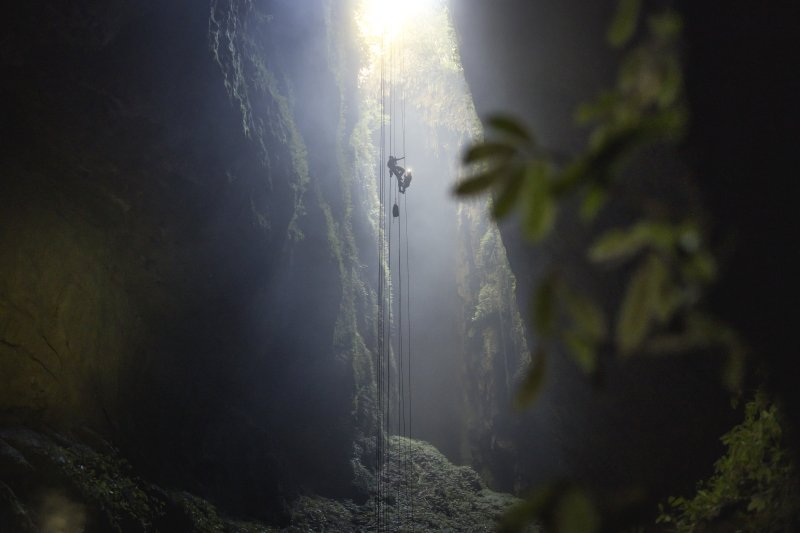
column 202, row 514
column 559, row 506
column 98, row 485
column 423, row 491
column 672, row 264
column 540, row 212
column 668, row 256
column 562, row 314
column 673, row 270
column 623, row 243
column 624, row 23
column 754, row 486
column 506, row 200
column 644, row 302
column 488, row 151
column 644, row 107
column 106, row 481
column 576, row 513
column 101, row 481
column 509, row 126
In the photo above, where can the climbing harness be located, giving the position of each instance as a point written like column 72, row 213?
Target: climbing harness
column 403, row 176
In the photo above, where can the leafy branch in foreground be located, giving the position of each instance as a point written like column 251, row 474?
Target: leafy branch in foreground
column 666, row 251
column 671, row 264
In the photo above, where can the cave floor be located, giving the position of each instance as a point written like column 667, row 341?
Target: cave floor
column 83, row 484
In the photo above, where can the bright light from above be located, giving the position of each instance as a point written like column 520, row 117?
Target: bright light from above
column 386, row 18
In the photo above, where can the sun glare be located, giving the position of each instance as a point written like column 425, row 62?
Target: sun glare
column 387, row 18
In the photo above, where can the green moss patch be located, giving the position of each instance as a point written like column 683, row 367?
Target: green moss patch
column 421, row 491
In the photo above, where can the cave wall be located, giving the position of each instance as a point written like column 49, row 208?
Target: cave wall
column 180, row 269
column 494, row 351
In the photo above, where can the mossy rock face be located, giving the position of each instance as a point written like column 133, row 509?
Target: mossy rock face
column 65, row 319
column 421, row 491
column 56, row 482
column 51, row 478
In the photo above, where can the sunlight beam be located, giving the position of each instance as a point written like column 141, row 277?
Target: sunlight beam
column 387, row 18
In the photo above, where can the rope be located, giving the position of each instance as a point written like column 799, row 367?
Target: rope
column 380, row 332
column 401, row 376
column 410, row 462
column 383, row 361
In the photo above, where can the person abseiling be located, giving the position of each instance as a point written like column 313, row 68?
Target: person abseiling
column 403, row 176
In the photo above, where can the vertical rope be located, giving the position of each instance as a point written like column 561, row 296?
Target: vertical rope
column 380, row 332
column 410, row 469
column 400, row 395
column 393, row 196
column 388, row 361
column 383, row 359
column 400, row 375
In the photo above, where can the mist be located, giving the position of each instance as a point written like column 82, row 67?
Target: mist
column 211, row 318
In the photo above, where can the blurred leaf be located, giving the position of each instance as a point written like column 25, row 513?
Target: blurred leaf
column 622, row 243
column 532, row 384
column 518, row 517
column 508, row 197
column 541, row 216
column 576, row 513
column 582, row 351
column 572, row 175
column 665, row 26
column 587, row 315
column 701, row 332
column 593, row 201
column 667, row 299
column 541, row 209
column 640, row 297
column 544, row 307
column 639, row 80
column 510, row 126
column 701, row 267
column 488, row 150
column 608, row 151
column 671, row 82
column 531, row 509
column 601, row 108
column 615, row 244
column 537, row 173
column 668, row 124
column 659, row 235
column 624, row 23
column 475, row 184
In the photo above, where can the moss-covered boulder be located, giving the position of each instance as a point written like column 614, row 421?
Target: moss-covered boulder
column 420, row 490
